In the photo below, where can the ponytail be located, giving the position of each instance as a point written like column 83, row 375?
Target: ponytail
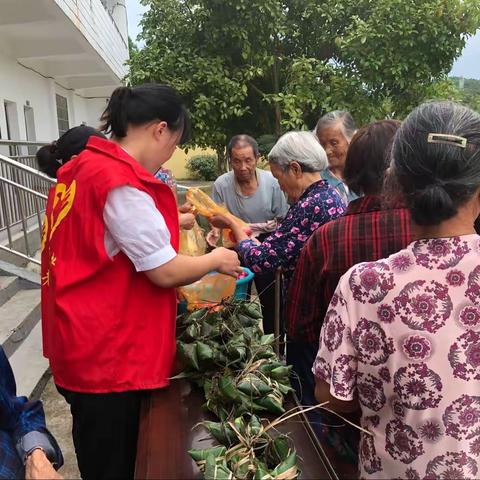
column 51, row 157
column 114, row 118
column 144, row 104
column 47, row 160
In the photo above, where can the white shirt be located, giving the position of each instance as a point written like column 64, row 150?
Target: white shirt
column 134, row 226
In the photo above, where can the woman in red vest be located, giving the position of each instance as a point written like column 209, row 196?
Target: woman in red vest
column 109, row 271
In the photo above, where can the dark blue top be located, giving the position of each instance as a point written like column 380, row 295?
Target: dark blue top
column 19, row 417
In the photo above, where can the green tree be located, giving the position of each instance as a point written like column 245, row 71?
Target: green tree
column 266, row 66
column 468, row 92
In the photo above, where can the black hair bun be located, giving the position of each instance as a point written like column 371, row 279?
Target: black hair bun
column 432, row 205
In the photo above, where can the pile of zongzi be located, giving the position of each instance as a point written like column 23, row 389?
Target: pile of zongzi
column 225, row 352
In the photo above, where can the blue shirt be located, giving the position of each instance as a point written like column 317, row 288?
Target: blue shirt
column 18, row 418
column 319, row 204
column 346, row 194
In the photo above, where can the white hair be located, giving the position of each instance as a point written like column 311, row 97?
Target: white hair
column 301, row 147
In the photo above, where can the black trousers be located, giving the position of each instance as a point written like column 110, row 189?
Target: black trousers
column 265, row 285
column 105, row 432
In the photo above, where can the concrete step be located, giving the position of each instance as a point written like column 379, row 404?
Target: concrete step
column 9, row 286
column 29, row 365
column 18, row 316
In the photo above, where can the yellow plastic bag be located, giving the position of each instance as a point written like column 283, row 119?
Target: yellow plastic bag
column 192, row 242
column 209, row 290
column 208, row 208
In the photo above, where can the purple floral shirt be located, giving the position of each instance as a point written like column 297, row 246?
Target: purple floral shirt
column 319, row 204
column 403, row 334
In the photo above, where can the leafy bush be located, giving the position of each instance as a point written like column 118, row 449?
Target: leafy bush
column 266, row 143
column 203, row 166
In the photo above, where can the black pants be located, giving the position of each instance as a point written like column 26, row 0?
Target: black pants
column 105, row 432
column 265, row 285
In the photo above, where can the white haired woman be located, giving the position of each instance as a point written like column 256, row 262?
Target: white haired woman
column 295, row 161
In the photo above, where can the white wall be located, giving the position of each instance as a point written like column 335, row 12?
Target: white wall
column 100, row 30
column 19, row 85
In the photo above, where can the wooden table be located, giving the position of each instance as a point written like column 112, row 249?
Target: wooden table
column 166, row 434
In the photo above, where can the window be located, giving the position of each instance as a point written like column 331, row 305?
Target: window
column 62, row 114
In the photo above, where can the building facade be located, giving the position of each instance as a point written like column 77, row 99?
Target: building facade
column 59, row 62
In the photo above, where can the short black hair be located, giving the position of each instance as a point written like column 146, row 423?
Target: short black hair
column 242, row 139
column 144, row 104
column 368, row 157
column 435, row 172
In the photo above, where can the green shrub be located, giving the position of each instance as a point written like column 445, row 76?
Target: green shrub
column 266, row 143
column 203, row 166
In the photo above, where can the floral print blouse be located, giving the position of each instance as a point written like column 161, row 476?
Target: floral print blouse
column 403, row 334
column 319, row 204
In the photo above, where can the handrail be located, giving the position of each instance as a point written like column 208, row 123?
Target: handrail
column 28, row 169
column 27, row 143
column 23, row 195
column 25, row 189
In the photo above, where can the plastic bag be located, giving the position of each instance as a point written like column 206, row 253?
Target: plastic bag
column 209, row 290
column 208, row 208
column 192, row 242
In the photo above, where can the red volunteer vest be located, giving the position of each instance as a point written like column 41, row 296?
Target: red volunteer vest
column 106, row 328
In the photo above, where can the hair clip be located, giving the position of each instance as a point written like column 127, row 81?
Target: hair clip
column 447, row 139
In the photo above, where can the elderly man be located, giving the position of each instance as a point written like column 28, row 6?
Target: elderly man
column 27, row 449
column 254, row 196
column 335, row 131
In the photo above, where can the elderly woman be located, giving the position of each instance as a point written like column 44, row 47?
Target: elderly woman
column 295, row 161
column 335, row 131
column 401, row 337
column 369, row 230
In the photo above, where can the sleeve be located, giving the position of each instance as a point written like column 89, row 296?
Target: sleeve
column 279, row 202
column 216, row 193
column 277, row 250
column 282, row 248
column 138, row 228
column 24, row 420
column 303, row 302
column 336, row 361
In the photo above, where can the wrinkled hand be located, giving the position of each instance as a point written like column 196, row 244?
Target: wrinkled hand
column 212, row 237
column 186, row 208
column 186, row 221
column 38, row 467
column 221, row 221
column 227, row 262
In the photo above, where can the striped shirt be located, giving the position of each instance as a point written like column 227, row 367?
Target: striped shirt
column 366, row 233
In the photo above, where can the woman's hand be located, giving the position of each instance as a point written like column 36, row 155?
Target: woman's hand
column 38, row 467
column 227, row 262
column 186, row 221
column 221, row 221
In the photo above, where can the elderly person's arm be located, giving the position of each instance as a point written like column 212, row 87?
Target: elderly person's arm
column 24, row 438
column 335, row 367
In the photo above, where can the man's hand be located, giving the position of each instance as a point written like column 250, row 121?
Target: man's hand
column 221, row 221
column 38, row 467
column 212, row 236
column 186, row 221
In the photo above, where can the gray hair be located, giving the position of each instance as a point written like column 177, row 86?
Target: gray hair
column 338, row 116
column 437, row 175
column 300, row 147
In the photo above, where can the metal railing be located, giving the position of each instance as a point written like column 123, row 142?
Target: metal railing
column 23, row 195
